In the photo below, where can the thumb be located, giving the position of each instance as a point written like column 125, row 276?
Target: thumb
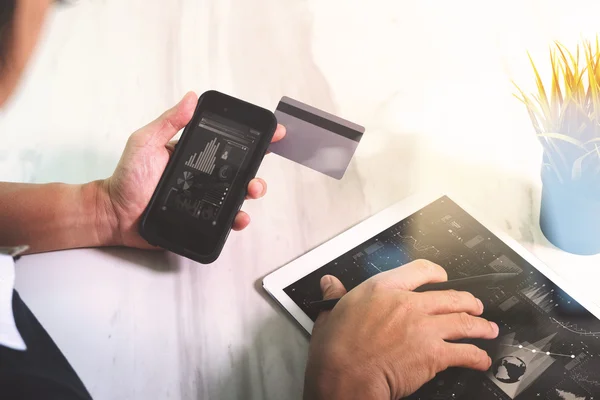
column 173, row 120
column 332, row 288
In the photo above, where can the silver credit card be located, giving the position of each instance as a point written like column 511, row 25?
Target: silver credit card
column 315, row 138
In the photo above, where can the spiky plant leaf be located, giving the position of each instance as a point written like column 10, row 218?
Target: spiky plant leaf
column 567, row 118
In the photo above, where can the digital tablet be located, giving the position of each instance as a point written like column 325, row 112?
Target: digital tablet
column 549, row 341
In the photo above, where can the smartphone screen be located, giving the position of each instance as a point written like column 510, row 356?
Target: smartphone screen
column 206, row 181
column 215, row 157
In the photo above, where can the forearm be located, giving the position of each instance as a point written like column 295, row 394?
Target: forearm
column 54, row 216
column 320, row 385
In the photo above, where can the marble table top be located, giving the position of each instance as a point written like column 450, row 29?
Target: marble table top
column 430, row 81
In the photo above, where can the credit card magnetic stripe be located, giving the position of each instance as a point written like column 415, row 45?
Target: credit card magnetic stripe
column 321, row 119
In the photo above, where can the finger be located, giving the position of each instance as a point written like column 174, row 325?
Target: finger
column 412, row 275
column 171, row 146
column 172, row 121
column 464, row 326
column 465, row 356
column 257, row 188
column 278, row 135
column 241, row 221
column 331, row 288
column 449, row 301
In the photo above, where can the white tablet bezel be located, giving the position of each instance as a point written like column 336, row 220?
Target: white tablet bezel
column 275, row 282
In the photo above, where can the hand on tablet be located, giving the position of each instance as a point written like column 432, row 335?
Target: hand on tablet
column 383, row 341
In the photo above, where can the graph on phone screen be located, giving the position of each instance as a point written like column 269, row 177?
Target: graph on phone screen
column 217, row 153
column 205, row 161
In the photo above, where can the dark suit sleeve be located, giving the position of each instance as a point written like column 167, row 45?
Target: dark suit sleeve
column 41, row 372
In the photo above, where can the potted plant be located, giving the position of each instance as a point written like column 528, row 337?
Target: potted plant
column 567, row 123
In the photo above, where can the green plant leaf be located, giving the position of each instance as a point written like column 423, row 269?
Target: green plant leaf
column 532, row 109
column 577, row 166
column 545, row 116
column 592, row 79
column 556, row 97
column 556, row 156
column 543, row 97
column 567, row 118
column 563, row 49
column 576, row 172
column 572, row 79
column 553, row 168
column 564, row 138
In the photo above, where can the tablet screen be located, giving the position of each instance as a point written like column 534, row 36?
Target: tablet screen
column 548, row 346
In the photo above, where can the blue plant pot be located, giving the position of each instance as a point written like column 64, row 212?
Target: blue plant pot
column 570, row 216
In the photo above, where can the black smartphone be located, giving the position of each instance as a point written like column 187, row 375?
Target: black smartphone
column 205, row 182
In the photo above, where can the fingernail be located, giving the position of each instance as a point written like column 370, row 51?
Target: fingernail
column 325, row 283
column 257, row 188
column 494, row 327
column 480, row 305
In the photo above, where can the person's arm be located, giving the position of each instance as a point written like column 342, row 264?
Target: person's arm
column 103, row 213
column 55, row 216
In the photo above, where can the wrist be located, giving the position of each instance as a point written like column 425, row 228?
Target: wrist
column 363, row 384
column 105, row 222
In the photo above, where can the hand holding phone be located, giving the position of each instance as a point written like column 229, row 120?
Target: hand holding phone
column 204, row 184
